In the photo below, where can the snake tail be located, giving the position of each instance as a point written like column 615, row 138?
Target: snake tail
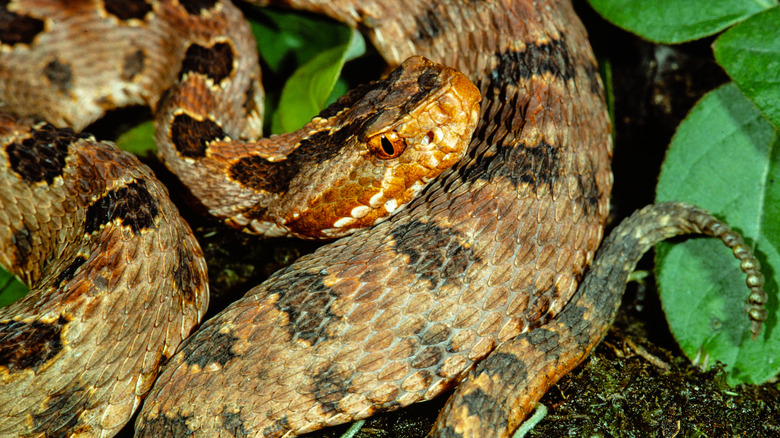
column 504, row 387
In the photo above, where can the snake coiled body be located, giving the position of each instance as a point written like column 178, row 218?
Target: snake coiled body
column 493, row 248
column 398, row 313
column 91, row 231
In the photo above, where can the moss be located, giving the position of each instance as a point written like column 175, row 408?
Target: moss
column 616, row 392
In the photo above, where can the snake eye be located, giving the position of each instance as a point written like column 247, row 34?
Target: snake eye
column 387, row 145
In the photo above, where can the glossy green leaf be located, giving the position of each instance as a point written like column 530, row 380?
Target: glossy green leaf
column 139, row 139
column 725, row 157
column 11, row 289
column 307, row 90
column 675, row 21
column 750, row 54
column 292, row 37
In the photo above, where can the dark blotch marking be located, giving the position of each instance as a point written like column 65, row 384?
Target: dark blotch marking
column 215, row 62
column 307, row 301
column 427, row 358
column 425, row 83
column 196, row 7
column 132, row 204
column 41, row 157
column 544, row 340
column 386, row 90
column 594, row 80
column 15, row 28
column 22, row 239
column 552, row 57
column 536, row 165
column 191, row 137
column 435, row 254
column 258, row 173
column 589, row 192
column 249, row 105
column 482, row 405
column 278, row 428
column 67, row 274
column 323, row 146
column 59, row 74
column 233, row 423
column 28, row 345
column 215, row 348
column 60, row 416
column 165, row 427
column 428, row 25
column 329, row 387
column 185, row 277
column 347, row 100
column 504, row 365
column 573, row 317
column 125, row 10
column 134, row 64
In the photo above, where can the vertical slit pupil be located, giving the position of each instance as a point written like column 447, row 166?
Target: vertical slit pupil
column 387, row 146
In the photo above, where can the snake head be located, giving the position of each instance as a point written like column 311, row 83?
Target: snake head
column 374, row 150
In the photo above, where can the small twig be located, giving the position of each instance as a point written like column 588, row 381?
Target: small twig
column 655, row 360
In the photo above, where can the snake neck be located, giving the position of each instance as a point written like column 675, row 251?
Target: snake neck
column 360, row 161
column 529, row 147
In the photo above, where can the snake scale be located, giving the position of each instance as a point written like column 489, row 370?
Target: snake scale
column 474, row 284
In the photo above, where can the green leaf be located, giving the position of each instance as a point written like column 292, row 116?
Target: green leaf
column 676, row 21
column 725, row 157
column 289, row 36
column 11, row 289
column 307, row 90
column 750, row 54
column 138, row 139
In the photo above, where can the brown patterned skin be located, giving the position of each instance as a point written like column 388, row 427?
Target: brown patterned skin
column 64, row 369
column 493, row 248
column 141, row 48
column 117, row 281
column 397, row 314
